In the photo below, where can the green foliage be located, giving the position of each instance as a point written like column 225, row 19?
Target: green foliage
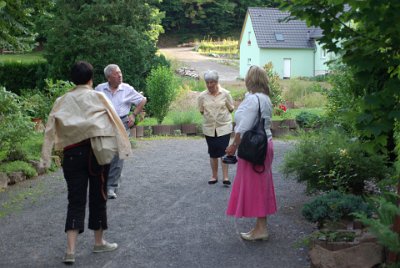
column 15, row 75
column 331, row 160
column 38, row 104
column 207, row 17
column 161, row 89
column 16, row 25
column 191, row 84
column 334, row 206
column 16, row 166
column 14, row 126
column 343, row 106
column 189, row 116
column 293, row 113
column 34, row 104
column 123, row 32
column 308, row 119
column 274, row 86
column 382, row 224
column 364, row 35
column 306, row 93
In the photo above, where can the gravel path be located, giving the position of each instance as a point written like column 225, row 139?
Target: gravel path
column 166, row 215
column 201, row 63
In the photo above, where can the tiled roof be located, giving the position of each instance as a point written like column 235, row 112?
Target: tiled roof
column 268, row 27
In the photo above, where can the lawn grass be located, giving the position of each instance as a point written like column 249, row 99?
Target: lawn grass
column 25, row 57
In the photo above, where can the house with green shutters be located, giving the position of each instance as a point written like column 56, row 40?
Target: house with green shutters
column 291, row 46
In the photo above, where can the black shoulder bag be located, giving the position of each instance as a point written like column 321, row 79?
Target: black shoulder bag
column 254, row 144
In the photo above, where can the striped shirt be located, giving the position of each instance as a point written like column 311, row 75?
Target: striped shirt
column 123, row 98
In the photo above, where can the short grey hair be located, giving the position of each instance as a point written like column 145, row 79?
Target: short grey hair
column 109, row 69
column 211, row 75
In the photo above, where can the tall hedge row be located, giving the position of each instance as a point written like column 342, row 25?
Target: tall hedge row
column 22, row 75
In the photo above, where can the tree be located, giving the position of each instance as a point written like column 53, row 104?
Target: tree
column 101, row 32
column 209, row 17
column 367, row 36
column 161, row 89
column 17, row 22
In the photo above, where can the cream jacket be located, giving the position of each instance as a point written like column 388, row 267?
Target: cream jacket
column 216, row 112
column 81, row 114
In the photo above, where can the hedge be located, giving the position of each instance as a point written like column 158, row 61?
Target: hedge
column 22, row 75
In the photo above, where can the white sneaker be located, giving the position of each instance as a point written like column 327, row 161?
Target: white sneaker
column 111, row 194
column 105, row 247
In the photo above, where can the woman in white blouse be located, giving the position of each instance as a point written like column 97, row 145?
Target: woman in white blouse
column 253, row 194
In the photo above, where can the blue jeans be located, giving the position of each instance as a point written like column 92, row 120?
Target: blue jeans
column 116, row 165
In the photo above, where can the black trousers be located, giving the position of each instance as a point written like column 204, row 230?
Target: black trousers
column 81, row 169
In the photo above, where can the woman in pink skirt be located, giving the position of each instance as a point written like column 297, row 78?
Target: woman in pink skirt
column 253, row 194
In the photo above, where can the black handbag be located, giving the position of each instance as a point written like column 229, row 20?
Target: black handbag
column 254, row 144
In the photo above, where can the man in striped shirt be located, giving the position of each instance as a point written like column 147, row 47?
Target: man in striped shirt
column 123, row 97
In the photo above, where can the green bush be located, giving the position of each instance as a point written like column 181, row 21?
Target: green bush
column 16, row 166
column 15, row 75
column 190, row 116
column 274, row 86
column 382, row 224
column 334, row 206
column 330, row 160
column 307, row 119
column 161, row 90
column 342, row 106
column 14, row 125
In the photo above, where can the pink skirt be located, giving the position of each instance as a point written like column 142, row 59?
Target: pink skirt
column 253, row 194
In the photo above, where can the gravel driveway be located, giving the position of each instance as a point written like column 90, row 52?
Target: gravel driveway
column 166, row 215
column 201, row 63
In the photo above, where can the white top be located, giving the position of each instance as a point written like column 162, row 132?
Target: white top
column 247, row 113
column 122, row 98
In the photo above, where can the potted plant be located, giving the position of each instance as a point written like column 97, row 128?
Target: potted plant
column 337, row 241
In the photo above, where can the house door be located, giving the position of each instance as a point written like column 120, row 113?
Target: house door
column 286, row 68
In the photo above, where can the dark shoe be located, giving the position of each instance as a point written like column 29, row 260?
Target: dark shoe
column 68, row 258
column 213, row 181
column 226, row 182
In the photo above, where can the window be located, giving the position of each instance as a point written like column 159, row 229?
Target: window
column 279, row 37
column 249, row 40
column 249, row 61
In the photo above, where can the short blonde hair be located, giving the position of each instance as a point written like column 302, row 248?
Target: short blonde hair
column 257, row 80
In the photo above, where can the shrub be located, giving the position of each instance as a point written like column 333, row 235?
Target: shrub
column 334, row 206
column 161, row 89
column 15, row 75
column 190, row 116
column 330, row 160
column 382, row 224
column 274, row 86
column 16, row 166
column 14, row 125
column 342, row 105
column 307, row 119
